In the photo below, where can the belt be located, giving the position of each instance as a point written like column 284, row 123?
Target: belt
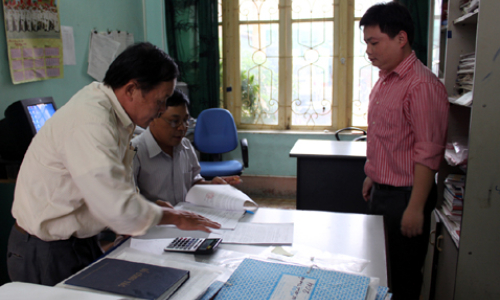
column 20, row 229
column 386, row 187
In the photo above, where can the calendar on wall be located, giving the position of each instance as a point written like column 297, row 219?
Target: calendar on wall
column 34, row 44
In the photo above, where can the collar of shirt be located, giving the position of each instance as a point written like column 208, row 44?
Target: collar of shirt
column 153, row 147
column 119, row 110
column 403, row 68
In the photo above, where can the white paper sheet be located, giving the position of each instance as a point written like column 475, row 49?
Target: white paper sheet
column 101, row 54
column 227, row 218
column 68, row 40
column 23, row 291
column 258, row 234
column 222, row 196
column 124, row 38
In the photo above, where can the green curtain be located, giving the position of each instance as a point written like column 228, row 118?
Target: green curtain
column 419, row 10
column 192, row 35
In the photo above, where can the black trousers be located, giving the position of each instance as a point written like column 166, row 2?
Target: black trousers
column 29, row 259
column 406, row 255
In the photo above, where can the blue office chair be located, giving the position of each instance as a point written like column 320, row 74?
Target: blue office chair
column 215, row 133
column 361, row 138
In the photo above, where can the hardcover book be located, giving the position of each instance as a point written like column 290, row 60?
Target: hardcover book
column 129, row 278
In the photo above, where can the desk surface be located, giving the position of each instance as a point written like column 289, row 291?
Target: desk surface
column 356, row 235
column 322, row 148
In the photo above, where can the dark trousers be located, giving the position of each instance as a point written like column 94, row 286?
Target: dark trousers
column 29, row 259
column 406, row 255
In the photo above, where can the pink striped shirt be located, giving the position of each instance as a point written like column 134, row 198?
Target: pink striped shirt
column 407, row 123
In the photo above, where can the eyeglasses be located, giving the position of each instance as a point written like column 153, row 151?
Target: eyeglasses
column 177, row 123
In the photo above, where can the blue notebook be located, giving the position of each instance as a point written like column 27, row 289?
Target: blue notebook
column 255, row 279
column 129, row 278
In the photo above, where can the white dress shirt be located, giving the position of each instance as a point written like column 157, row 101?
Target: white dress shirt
column 76, row 177
column 158, row 175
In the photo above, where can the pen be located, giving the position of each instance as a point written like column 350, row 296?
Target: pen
column 250, row 212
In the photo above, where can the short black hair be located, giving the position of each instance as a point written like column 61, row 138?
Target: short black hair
column 177, row 98
column 145, row 63
column 391, row 17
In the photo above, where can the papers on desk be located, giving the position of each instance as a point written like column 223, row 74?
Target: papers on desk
column 221, row 203
column 258, row 234
column 245, row 233
column 23, row 291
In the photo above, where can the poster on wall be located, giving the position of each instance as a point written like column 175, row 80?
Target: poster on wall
column 34, row 43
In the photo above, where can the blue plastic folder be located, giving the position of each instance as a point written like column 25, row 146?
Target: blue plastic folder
column 255, row 279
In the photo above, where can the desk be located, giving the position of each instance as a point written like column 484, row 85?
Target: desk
column 355, row 235
column 330, row 175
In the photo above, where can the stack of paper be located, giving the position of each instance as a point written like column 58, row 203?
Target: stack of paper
column 453, row 198
column 468, row 6
column 465, row 73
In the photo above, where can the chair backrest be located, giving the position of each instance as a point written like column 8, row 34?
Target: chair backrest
column 215, row 131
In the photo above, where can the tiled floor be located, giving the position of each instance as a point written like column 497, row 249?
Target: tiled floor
column 285, row 203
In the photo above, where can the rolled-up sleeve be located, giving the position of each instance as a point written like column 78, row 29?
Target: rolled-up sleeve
column 429, row 107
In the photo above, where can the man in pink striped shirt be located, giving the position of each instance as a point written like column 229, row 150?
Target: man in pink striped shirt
column 407, row 124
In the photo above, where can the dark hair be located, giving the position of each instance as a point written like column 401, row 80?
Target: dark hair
column 391, row 17
column 143, row 62
column 177, row 98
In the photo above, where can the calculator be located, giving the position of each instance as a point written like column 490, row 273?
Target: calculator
column 193, row 245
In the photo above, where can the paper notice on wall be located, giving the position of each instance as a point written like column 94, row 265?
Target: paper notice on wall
column 68, row 39
column 102, row 52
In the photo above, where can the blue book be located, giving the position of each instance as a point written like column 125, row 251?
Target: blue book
column 255, row 279
column 129, row 278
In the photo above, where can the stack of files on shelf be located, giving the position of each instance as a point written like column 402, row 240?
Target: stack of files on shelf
column 468, row 6
column 255, row 279
column 465, row 73
column 453, row 198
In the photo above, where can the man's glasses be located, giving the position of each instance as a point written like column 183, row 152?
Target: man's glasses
column 177, row 123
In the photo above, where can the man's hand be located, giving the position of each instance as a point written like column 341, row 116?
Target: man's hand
column 412, row 222
column 164, row 204
column 186, row 220
column 232, row 180
column 367, row 188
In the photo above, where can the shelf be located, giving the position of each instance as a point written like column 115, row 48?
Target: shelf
column 469, row 18
column 450, row 226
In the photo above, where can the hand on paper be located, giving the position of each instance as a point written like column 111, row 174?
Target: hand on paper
column 367, row 188
column 412, row 222
column 232, row 180
column 164, row 204
column 185, row 220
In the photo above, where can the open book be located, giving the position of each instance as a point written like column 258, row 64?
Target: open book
column 221, row 203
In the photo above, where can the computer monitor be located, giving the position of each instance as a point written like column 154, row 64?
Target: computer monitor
column 23, row 119
column 39, row 111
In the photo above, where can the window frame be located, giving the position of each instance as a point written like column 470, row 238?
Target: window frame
column 343, row 39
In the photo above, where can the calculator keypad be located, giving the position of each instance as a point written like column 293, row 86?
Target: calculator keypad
column 185, row 244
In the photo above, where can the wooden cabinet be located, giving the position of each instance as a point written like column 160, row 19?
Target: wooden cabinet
column 469, row 268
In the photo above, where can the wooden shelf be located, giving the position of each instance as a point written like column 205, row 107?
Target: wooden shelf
column 469, row 18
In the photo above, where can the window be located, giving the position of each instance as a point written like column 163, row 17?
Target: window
column 295, row 64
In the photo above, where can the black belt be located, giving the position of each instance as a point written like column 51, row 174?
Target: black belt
column 386, row 187
column 20, row 229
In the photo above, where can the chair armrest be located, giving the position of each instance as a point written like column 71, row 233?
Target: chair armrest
column 244, row 151
column 337, row 137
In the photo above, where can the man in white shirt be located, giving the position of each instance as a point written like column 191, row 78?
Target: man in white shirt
column 76, row 177
column 166, row 166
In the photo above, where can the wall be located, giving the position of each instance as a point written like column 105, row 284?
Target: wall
column 83, row 16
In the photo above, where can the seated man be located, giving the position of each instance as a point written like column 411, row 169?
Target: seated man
column 166, row 166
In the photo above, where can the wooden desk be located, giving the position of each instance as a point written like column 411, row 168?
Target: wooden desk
column 354, row 235
column 330, row 175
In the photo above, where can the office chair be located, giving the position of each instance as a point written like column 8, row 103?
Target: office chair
column 357, row 139
column 215, row 133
